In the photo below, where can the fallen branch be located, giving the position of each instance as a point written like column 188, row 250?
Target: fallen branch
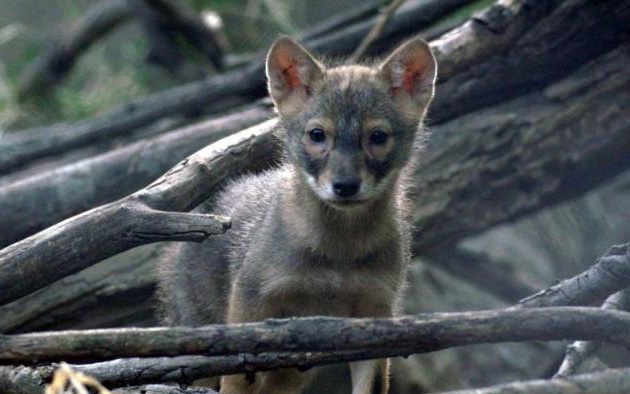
column 134, row 220
column 185, row 369
column 394, row 337
column 85, row 184
column 109, row 294
column 523, row 156
column 610, row 274
column 579, row 351
column 611, row 381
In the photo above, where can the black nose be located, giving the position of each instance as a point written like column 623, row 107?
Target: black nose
column 346, row 188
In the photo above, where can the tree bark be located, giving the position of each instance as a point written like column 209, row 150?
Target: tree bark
column 80, row 186
column 394, row 337
column 109, row 294
column 610, row 274
column 140, row 218
column 502, row 163
column 163, row 389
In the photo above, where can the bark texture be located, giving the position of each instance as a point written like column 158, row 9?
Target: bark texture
column 395, row 337
column 82, row 185
column 150, row 215
column 610, row 274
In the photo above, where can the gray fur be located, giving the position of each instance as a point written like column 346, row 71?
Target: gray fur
column 294, row 248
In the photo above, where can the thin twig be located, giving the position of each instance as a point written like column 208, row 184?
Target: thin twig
column 383, row 17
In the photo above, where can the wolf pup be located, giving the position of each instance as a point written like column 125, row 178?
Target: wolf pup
column 327, row 232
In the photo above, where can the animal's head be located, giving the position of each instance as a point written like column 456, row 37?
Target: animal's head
column 350, row 129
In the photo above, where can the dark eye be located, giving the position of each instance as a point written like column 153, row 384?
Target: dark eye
column 378, row 137
column 317, row 135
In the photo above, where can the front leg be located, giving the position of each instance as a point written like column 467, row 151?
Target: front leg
column 370, row 376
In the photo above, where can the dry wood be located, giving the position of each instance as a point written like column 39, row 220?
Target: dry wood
column 140, row 218
column 182, row 369
column 507, row 161
column 79, row 186
column 394, row 337
column 508, row 23
column 579, row 351
column 185, row 369
column 109, row 294
column 610, row 274
column 612, row 381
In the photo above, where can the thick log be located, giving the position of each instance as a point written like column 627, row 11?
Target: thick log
column 502, row 163
column 185, row 369
column 150, row 215
column 513, row 17
column 394, row 337
column 80, row 186
column 554, row 49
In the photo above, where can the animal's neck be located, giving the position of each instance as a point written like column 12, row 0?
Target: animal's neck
column 335, row 233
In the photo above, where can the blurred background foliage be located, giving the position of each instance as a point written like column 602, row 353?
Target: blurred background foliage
column 115, row 70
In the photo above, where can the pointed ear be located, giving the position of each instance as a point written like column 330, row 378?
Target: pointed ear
column 291, row 72
column 410, row 72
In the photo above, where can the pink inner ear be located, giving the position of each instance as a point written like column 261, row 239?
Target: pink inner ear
column 291, row 78
column 289, row 69
column 413, row 75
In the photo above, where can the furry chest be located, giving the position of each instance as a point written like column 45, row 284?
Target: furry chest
column 327, row 292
